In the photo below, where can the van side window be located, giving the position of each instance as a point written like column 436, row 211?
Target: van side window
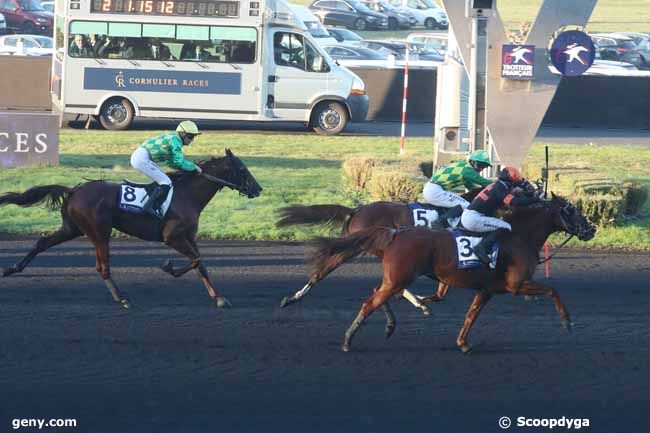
column 290, row 49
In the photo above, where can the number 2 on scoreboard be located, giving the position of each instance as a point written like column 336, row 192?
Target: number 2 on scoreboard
column 106, row 5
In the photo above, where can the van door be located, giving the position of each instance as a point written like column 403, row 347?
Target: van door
column 299, row 74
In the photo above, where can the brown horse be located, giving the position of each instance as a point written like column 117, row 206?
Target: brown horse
column 92, row 209
column 409, row 253
column 353, row 220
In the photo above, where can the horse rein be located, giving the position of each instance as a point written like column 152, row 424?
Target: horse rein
column 220, row 181
column 566, row 229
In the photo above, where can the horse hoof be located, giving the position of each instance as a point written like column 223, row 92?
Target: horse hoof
column 8, row 271
column 389, row 330
column 167, row 266
column 286, row 301
column 465, row 348
column 425, row 310
column 346, row 347
column 223, row 302
column 567, row 325
column 124, row 303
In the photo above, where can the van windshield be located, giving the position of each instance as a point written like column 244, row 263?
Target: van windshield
column 31, row 5
column 316, row 29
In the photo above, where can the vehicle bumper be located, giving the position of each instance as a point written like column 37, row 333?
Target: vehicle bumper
column 358, row 105
column 379, row 25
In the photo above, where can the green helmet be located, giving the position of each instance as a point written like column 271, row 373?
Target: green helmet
column 188, row 127
column 480, row 156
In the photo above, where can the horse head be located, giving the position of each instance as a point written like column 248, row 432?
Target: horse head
column 569, row 219
column 234, row 171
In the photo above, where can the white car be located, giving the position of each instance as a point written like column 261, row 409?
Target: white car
column 28, row 45
column 3, row 25
column 439, row 41
column 426, row 12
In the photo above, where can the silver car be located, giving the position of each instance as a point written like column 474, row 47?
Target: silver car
column 3, row 25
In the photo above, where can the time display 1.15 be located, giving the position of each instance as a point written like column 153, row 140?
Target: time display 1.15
column 167, row 7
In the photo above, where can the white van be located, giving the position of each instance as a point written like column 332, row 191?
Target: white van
column 308, row 21
column 225, row 60
column 426, row 12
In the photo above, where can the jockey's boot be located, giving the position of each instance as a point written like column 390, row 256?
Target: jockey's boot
column 156, row 199
column 453, row 213
column 484, row 248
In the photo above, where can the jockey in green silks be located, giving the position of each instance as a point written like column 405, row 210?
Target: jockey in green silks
column 166, row 148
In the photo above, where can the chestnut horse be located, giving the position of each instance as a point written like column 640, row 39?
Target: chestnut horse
column 411, row 252
column 381, row 213
column 91, row 209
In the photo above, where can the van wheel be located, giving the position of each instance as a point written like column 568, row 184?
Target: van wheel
column 329, row 118
column 430, row 23
column 360, row 24
column 116, row 114
column 392, row 24
column 28, row 28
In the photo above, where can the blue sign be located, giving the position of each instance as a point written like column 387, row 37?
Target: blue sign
column 518, row 62
column 572, row 53
column 143, row 80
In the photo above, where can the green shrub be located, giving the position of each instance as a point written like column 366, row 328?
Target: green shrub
column 601, row 209
column 635, row 197
column 357, row 172
column 394, row 186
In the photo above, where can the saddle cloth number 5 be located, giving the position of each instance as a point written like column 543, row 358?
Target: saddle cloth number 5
column 425, row 217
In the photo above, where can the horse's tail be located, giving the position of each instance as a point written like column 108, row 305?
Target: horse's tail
column 316, row 214
column 52, row 195
column 328, row 251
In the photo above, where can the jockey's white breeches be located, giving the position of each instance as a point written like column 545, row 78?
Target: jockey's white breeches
column 477, row 222
column 435, row 195
column 141, row 161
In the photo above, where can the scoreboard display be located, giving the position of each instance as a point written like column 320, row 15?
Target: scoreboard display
column 224, row 9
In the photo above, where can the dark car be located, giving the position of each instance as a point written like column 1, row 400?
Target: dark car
column 344, row 35
column 396, row 19
column 417, row 51
column 27, row 16
column 353, row 52
column 642, row 41
column 348, row 13
column 619, row 48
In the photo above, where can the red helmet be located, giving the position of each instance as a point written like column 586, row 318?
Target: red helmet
column 510, row 174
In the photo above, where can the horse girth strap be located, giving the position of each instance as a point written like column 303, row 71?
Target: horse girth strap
column 219, row 180
column 539, row 262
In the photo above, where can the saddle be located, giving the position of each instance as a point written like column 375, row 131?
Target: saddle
column 146, row 186
column 429, row 215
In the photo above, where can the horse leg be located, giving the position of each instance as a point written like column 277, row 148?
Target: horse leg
column 416, row 301
column 189, row 249
column 375, row 301
column 478, row 303
column 65, row 233
column 314, row 279
column 391, row 323
column 104, row 269
column 438, row 297
column 531, row 288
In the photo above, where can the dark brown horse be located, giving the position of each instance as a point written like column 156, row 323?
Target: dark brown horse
column 91, row 209
column 353, row 220
column 409, row 253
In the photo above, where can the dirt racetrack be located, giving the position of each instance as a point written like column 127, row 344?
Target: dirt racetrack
column 177, row 364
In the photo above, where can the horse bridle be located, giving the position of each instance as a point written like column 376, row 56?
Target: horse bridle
column 570, row 229
column 240, row 188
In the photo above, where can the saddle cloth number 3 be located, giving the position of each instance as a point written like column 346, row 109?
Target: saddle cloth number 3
column 465, row 248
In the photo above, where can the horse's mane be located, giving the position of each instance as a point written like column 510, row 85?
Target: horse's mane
column 206, row 165
column 526, row 212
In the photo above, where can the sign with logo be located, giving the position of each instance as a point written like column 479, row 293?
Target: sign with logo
column 28, row 139
column 572, row 53
column 518, row 62
column 222, row 83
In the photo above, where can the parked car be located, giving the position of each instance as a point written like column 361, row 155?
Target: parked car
column 417, row 51
column 48, row 6
column 348, row 13
column 27, row 16
column 642, row 41
column 397, row 19
column 311, row 23
column 438, row 41
column 353, row 52
column 30, row 45
column 426, row 12
column 344, row 35
column 619, row 48
column 3, row 25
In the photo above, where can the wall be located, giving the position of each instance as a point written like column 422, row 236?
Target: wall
column 25, row 83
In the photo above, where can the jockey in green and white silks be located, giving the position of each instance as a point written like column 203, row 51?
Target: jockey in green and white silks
column 438, row 191
column 166, row 148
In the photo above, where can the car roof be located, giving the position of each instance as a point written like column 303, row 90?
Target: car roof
column 612, row 36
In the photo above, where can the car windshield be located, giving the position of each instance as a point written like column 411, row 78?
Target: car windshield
column 316, row 29
column 349, row 35
column 388, row 7
column 360, row 7
column 628, row 44
column 45, row 42
column 430, row 4
column 31, row 5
